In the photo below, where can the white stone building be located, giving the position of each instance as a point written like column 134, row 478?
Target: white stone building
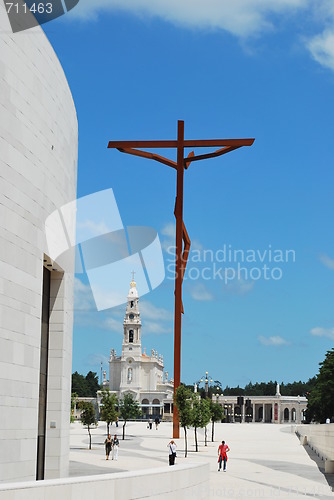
column 38, row 174
column 276, row 409
column 134, row 372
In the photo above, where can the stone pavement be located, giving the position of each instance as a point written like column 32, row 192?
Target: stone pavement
column 266, row 460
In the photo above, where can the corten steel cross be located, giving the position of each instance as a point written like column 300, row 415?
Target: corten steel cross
column 182, row 238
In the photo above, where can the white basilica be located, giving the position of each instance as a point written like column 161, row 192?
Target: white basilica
column 134, row 372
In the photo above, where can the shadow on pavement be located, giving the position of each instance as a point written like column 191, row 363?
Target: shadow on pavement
column 321, row 465
column 80, row 469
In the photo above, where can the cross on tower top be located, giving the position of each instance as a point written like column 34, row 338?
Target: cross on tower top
column 133, row 275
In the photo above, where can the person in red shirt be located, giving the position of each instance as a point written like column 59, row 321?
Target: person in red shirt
column 222, row 455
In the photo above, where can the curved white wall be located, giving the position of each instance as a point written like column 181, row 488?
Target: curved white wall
column 163, row 483
column 38, row 168
column 320, row 437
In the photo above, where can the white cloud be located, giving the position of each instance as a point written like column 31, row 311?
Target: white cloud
column 200, row 292
column 323, row 332
column 83, row 297
column 155, row 327
column 93, row 228
column 155, row 320
column 169, row 230
column 327, row 261
column 168, row 238
column 275, row 341
column 150, row 311
column 94, row 359
column 196, row 245
column 113, row 324
column 321, row 48
column 242, row 18
column 237, row 286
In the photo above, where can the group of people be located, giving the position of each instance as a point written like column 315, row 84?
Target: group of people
column 223, row 449
column 156, row 421
column 111, row 445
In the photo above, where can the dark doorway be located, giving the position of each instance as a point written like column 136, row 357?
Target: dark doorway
column 260, row 414
column 43, row 375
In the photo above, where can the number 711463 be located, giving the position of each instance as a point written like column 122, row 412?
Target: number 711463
column 36, row 8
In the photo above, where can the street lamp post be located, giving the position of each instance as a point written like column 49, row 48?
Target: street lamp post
column 206, row 384
column 182, row 238
column 207, row 381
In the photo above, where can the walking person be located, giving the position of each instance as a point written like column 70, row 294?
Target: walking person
column 222, row 455
column 157, row 422
column 172, row 452
column 108, row 446
column 115, row 445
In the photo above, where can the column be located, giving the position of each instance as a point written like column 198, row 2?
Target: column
column 243, row 413
column 298, row 415
column 264, row 412
column 232, row 416
column 272, row 413
column 253, row 405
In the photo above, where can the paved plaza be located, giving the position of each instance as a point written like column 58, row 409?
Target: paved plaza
column 265, row 461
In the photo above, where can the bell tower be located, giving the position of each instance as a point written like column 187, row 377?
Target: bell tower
column 132, row 324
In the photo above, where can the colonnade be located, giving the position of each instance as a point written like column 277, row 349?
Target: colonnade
column 274, row 410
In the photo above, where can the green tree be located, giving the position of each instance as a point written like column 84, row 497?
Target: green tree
column 74, row 400
column 183, row 402
column 200, row 414
column 88, row 417
column 79, row 385
column 108, row 410
column 85, row 387
column 216, row 414
column 128, row 408
column 233, row 391
column 92, row 384
column 321, row 398
column 295, row 388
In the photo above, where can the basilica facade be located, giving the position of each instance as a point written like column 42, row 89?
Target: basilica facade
column 137, row 373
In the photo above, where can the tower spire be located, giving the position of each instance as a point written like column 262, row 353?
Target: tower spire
column 133, row 283
column 132, row 322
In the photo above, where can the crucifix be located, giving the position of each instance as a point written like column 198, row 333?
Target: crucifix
column 182, row 239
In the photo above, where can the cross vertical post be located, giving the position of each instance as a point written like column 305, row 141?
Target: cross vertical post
column 178, row 269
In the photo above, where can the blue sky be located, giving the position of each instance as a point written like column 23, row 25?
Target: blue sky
column 228, row 69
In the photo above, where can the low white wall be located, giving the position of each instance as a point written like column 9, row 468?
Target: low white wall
column 163, row 483
column 320, row 437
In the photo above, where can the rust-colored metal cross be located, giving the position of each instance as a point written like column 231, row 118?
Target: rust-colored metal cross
column 182, row 238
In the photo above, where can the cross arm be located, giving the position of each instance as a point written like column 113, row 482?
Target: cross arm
column 150, row 156
column 214, row 154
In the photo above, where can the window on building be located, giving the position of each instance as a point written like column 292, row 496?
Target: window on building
column 129, row 374
column 131, row 336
